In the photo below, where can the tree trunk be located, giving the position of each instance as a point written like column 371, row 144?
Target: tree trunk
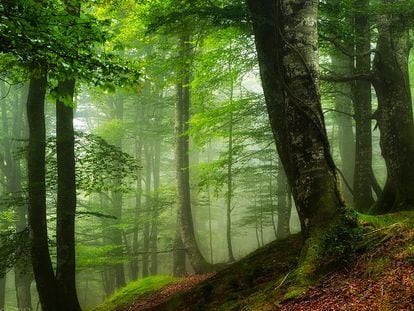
column 286, row 42
column 42, row 265
column 155, row 206
column 363, row 112
column 23, row 269
column 2, row 292
column 229, row 197
column 179, row 258
column 117, row 202
column 394, row 115
column 148, row 208
column 283, row 208
column 182, row 161
column 342, row 65
column 66, row 198
column 134, row 264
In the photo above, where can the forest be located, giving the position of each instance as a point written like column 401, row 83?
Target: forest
column 206, row 155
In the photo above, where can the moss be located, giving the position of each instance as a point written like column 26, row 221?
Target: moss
column 134, row 291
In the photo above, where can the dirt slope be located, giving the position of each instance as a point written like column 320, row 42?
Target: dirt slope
column 380, row 277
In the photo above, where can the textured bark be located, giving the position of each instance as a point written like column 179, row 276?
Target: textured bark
column 343, row 65
column 283, row 206
column 363, row 111
column 182, row 163
column 286, row 43
column 66, row 199
column 394, row 115
column 42, row 265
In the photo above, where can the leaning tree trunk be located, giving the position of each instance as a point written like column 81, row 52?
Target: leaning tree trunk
column 42, row 265
column 394, row 114
column 362, row 188
column 286, row 42
column 182, row 163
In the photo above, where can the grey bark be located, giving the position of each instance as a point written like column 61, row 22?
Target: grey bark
column 283, row 206
column 394, row 114
column 286, row 42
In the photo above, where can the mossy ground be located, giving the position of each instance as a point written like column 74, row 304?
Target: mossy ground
column 135, row 290
column 267, row 279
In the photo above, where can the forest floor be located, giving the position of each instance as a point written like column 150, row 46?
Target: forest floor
column 379, row 277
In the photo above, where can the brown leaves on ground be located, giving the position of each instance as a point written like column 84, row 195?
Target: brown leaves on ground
column 151, row 301
column 381, row 280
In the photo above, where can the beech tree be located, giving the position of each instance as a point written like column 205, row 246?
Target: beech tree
column 394, row 114
column 286, row 42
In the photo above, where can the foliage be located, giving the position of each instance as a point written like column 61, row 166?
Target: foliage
column 98, row 164
column 44, row 36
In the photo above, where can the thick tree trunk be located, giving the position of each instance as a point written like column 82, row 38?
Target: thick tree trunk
column 363, row 111
column 286, row 42
column 66, row 198
column 42, row 265
column 342, row 65
column 182, row 163
column 394, row 115
column 283, row 208
column 179, row 257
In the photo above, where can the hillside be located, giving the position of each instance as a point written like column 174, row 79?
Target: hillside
column 379, row 275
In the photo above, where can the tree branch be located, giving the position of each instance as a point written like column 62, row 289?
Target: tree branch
column 339, row 79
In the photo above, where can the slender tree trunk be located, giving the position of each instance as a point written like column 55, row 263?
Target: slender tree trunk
column 283, row 208
column 155, row 206
column 229, row 186
column 148, row 208
column 394, row 114
column 343, row 65
column 182, row 161
column 363, row 112
column 66, row 198
column 117, row 201
column 42, row 265
column 363, row 198
column 22, row 270
column 286, row 42
column 138, row 197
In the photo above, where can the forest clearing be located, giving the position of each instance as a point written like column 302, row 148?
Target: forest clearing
column 206, row 155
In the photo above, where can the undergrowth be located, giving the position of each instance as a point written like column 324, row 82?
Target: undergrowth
column 134, row 291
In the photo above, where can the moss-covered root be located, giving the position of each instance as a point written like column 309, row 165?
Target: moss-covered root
column 323, row 251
